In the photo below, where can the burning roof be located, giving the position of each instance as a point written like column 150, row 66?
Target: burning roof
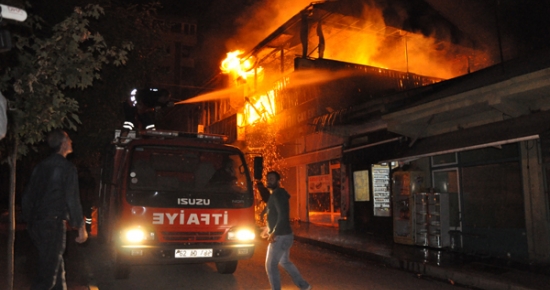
column 354, row 32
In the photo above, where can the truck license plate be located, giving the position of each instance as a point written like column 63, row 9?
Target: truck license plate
column 193, row 253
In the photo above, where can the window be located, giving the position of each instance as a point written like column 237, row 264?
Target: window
column 444, row 159
column 184, row 28
column 176, row 28
column 189, row 29
column 160, row 175
column 185, row 51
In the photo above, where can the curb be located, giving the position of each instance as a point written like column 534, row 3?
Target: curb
column 455, row 277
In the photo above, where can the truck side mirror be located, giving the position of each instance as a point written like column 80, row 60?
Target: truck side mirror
column 258, row 167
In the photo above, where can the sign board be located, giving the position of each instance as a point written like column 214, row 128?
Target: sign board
column 361, row 185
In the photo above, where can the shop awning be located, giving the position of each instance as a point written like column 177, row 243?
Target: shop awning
column 445, row 111
column 513, row 130
column 381, row 145
column 495, row 134
column 509, row 131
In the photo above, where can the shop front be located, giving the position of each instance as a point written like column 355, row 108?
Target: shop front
column 473, row 202
column 478, row 190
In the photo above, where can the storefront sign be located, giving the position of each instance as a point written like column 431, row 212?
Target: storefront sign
column 361, row 185
column 381, row 189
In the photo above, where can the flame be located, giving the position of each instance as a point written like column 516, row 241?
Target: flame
column 385, row 47
column 371, row 43
column 241, row 69
column 262, row 109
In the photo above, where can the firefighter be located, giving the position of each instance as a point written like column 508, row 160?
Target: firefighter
column 140, row 107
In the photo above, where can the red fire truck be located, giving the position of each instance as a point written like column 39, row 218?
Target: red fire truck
column 173, row 197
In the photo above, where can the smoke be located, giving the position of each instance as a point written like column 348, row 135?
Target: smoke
column 390, row 38
column 261, row 19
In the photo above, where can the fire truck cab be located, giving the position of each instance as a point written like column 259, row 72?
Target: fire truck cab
column 173, row 197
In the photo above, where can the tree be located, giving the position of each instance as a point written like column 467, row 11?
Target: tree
column 49, row 63
column 101, row 105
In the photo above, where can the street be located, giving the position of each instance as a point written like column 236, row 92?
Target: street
column 322, row 268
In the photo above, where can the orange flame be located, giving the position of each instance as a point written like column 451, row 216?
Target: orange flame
column 240, row 68
column 262, row 109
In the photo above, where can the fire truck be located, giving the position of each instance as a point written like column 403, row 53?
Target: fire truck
column 173, row 197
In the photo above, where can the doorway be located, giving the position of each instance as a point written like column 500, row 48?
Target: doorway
column 324, row 192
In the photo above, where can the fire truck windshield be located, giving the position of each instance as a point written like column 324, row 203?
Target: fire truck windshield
column 163, row 176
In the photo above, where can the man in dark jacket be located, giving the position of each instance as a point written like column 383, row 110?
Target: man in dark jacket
column 280, row 235
column 50, row 199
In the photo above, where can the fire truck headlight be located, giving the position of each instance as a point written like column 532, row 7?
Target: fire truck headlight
column 137, row 235
column 241, row 235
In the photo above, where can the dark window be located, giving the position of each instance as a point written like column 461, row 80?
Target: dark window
column 189, row 29
column 444, row 159
column 187, row 73
column 160, row 176
column 176, row 28
column 185, row 51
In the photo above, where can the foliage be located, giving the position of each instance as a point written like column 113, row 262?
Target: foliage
column 100, row 106
column 49, row 63
column 263, row 138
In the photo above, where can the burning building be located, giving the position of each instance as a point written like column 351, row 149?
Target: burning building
column 319, row 66
column 355, row 112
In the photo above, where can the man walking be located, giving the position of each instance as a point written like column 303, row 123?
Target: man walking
column 280, row 235
column 50, row 199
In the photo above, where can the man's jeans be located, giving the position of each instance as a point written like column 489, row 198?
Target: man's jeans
column 278, row 252
column 49, row 238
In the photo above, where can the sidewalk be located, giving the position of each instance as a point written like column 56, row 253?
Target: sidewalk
column 460, row 269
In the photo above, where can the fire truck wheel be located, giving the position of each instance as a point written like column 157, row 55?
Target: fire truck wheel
column 226, row 267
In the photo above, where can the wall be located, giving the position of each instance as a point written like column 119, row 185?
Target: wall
column 536, row 203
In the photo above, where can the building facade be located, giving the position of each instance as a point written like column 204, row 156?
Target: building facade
column 362, row 146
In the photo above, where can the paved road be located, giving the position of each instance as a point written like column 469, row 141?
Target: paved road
column 324, row 270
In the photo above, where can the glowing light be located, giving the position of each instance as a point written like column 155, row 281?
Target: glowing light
column 240, row 68
column 262, row 109
column 135, row 236
column 242, row 235
column 133, row 99
column 240, row 120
